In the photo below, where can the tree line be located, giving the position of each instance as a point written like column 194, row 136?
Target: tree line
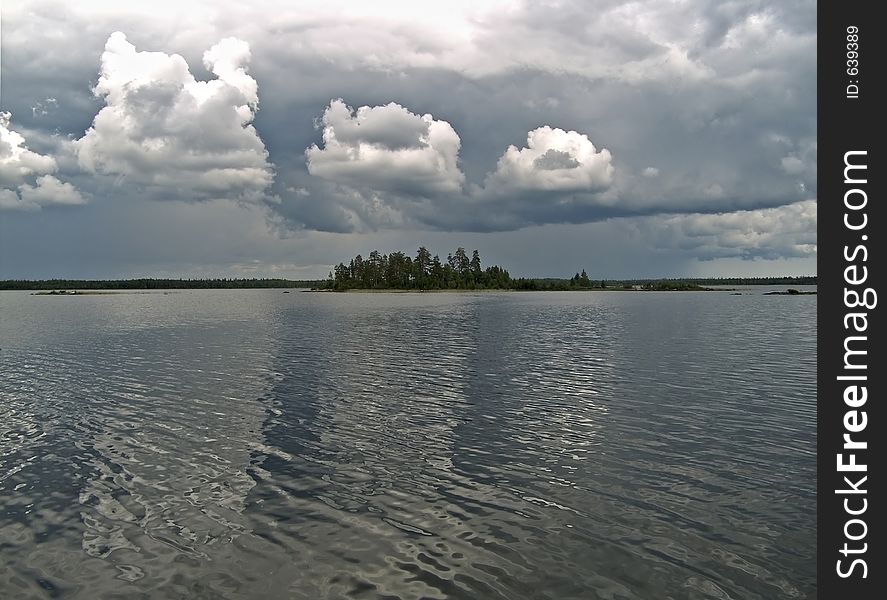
column 399, row 271
column 154, row 284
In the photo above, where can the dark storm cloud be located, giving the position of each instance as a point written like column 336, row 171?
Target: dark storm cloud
column 705, row 108
column 729, row 140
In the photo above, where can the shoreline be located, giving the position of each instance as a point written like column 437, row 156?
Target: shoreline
column 736, row 291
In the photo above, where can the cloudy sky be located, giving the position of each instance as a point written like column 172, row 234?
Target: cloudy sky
column 272, row 138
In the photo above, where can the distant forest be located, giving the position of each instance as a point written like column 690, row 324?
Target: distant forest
column 399, row 271
column 154, row 284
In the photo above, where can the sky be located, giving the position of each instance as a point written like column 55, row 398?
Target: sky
column 276, row 139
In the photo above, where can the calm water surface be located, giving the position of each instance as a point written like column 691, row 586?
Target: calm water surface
column 256, row 444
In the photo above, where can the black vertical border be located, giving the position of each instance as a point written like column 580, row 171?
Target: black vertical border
column 849, row 124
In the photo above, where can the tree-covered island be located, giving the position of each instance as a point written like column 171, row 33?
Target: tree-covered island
column 424, row 272
column 398, row 271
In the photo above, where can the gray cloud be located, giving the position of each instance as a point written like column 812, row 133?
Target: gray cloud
column 717, row 98
column 553, row 160
column 785, row 231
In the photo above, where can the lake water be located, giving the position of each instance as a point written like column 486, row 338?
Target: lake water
column 256, row 444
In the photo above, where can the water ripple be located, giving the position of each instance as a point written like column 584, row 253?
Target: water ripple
column 245, row 444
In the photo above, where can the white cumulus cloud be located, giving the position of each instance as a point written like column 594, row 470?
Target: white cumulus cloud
column 26, row 180
column 387, row 148
column 49, row 190
column 17, row 162
column 553, row 160
column 171, row 135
